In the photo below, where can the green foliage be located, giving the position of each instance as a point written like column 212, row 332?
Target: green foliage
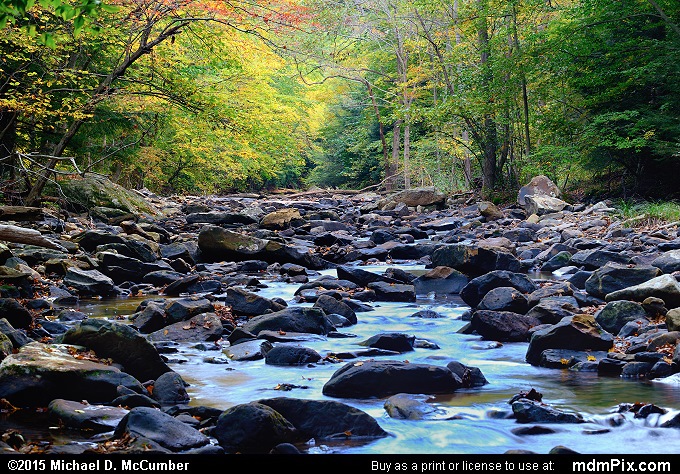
column 640, row 213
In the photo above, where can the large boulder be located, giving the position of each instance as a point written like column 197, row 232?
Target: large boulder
column 89, row 282
column 538, row 186
column 369, row 379
column 475, row 260
column 504, row 326
column 38, row 373
column 92, row 191
column 423, row 196
column 121, row 343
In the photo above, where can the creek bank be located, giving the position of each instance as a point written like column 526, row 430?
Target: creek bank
column 608, row 307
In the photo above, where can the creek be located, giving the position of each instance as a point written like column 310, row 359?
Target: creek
column 469, row 421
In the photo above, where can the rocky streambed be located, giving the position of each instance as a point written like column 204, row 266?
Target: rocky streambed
column 413, row 322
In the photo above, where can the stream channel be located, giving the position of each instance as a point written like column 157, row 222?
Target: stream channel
column 469, row 421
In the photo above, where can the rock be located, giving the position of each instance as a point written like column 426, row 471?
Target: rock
column 186, row 308
column 170, row 389
column 330, row 305
column 665, row 287
column 287, row 355
column 396, row 342
column 393, row 291
column 667, row 262
column 325, row 419
column 252, row 428
column 538, row 186
column 440, row 280
column 84, row 416
column 159, row 427
column 616, row 314
column 578, row 332
column 613, row 276
column 295, row 319
column 474, row 260
column 39, row 373
column 490, row 211
column 93, row 191
column 423, row 196
column 531, row 411
column 503, row 326
column 248, row 350
column 370, row 379
column 199, row 328
column 470, row 376
column 15, row 313
column 541, row 205
column 504, row 298
column 673, row 319
column 281, row 218
column 219, row 218
column 89, row 282
column 473, row 293
column 121, row 343
column 244, row 302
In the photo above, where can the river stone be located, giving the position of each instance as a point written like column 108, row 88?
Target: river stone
column 253, row 428
column 559, row 260
column 294, row 319
column 159, row 427
column 422, row 196
column 89, row 282
column 362, row 277
column 170, row 389
column 186, row 308
column 549, row 290
column 673, row 319
column 542, row 205
column 531, row 411
column 393, row 341
column 665, row 287
column 287, row 355
column 578, row 332
column 15, row 313
column 552, row 310
column 470, row 376
column 504, row 326
column 84, row 416
column 151, row 318
column 325, row 419
column 539, row 185
column 248, row 350
column 200, row 328
column 121, row 343
column 38, row 373
column 6, row 346
column 244, row 302
column 616, row 276
column 440, row 280
column 411, row 407
column 616, row 314
column 281, row 218
column 92, row 238
column 474, row 260
column 504, row 298
column 473, row 293
column 369, row 379
column 393, row 291
column 330, row 305
column 592, row 259
column 667, row 262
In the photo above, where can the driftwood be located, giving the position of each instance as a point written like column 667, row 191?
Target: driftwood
column 20, row 235
column 21, row 213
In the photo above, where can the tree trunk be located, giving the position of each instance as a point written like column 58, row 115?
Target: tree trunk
column 490, row 139
column 396, row 132
column 389, row 172
column 7, row 143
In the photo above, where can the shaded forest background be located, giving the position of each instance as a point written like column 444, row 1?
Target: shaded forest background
column 190, row 96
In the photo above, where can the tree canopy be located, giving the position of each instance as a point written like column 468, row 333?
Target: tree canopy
column 192, row 96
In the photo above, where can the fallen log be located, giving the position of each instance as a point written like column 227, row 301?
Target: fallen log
column 21, row 213
column 20, row 235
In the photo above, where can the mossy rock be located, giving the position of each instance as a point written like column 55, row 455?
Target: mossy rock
column 92, row 191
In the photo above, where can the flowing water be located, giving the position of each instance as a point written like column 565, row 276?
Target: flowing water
column 469, row 421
